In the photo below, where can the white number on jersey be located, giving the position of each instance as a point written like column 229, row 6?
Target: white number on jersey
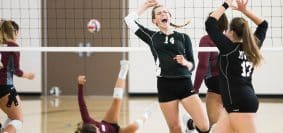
column 246, row 68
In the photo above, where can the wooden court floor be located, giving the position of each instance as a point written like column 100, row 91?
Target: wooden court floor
column 61, row 114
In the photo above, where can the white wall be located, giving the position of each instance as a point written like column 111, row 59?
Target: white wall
column 27, row 13
column 267, row 79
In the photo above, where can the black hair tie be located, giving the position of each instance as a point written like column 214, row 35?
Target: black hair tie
column 225, row 5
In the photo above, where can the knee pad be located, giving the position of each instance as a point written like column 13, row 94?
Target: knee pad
column 190, row 124
column 17, row 124
column 203, row 131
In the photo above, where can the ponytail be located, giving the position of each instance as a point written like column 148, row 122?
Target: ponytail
column 250, row 45
column 180, row 26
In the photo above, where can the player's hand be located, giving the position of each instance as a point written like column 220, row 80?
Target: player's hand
column 229, row 2
column 81, row 79
column 241, row 5
column 150, row 3
column 29, row 76
column 181, row 60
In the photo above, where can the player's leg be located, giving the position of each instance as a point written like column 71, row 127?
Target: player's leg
column 170, row 111
column 214, row 106
column 14, row 113
column 223, row 125
column 243, row 122
column 113, row 113
column 195, row 108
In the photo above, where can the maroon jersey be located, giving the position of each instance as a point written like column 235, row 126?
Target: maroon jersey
column 11, row 65
column 207, row 66
column 103, row 126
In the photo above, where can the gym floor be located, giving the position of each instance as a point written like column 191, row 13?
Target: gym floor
column 61, row 114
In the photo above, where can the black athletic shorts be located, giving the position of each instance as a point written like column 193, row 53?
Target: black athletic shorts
column 5, row 89
column 242, row 100
column 212, row 84
column 170, row 89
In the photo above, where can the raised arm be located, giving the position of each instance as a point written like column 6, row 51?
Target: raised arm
column 261, row 30
column 242, row 7
column 83, row 108
column 131, row 18
column 148, row 4
column 220, row 10
column 131, row 21
column 221, row 41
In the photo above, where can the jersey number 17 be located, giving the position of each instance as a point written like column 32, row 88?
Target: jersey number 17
column 246, row 68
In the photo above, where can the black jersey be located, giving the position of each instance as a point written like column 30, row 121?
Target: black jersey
column 235, row 69
column 164, row 48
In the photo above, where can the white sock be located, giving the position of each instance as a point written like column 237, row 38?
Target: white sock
column 124, row 67
column 118, row 93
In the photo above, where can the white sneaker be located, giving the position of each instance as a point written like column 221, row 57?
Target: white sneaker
column 149, row 110
column 124, row 63
column 124, row 68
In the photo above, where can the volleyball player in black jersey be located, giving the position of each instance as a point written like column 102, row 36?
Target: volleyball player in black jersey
column 172, row 52
column 207, row 71
column 239, row 54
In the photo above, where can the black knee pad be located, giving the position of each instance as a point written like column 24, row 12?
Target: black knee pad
column 190, row 124
column 202, row 131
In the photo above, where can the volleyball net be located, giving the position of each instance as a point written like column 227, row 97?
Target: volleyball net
column 63, row 23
